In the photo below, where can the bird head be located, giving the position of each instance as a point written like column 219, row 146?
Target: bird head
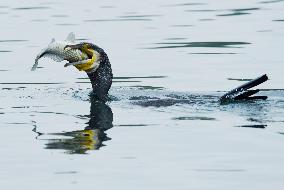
column 81, row 46
column 93, row 60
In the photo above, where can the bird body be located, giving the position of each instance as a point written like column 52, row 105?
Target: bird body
column 94, row 61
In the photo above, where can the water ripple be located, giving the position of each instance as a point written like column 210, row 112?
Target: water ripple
column 31, row 8
column 115, row 20
column 253, row 126
column 271, row 1
column 200, row 44
column 11, row 41
column 195, row 118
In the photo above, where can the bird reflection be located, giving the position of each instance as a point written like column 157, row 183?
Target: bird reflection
column 91, row 138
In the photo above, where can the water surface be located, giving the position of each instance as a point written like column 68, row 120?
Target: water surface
column 164, row 127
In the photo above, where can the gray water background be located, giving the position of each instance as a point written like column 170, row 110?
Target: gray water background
column 164, row 128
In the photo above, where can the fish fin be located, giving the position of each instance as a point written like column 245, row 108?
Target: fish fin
column 41, row 54
column 52, row 40
column 67, row 64
column 70, row 37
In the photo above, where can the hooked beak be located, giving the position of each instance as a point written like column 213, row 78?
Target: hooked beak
column 75, row 46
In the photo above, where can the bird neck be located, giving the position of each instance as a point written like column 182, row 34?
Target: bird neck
column 101, row 78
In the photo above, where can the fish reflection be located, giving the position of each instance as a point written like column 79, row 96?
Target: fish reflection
column 90, row 138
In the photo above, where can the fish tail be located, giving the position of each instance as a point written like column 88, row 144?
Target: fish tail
column 35, row 65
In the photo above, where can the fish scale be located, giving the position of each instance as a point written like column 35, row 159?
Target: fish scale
column 55, row 50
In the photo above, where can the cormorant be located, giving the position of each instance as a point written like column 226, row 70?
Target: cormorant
column 99, row 71
column 94, row 61
column 97, row 67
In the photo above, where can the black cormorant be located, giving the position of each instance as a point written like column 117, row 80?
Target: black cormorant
column 97, row 67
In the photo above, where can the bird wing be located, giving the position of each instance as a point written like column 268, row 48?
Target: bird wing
column 243, row 92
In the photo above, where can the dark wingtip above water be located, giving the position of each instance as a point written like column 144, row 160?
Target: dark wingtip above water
column 243, row 93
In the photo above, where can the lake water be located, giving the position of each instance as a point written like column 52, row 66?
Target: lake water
column 164, row 128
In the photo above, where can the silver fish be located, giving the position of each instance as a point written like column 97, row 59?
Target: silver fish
column 55, row 50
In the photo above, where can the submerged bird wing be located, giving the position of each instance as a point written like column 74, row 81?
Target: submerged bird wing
column 243, row 92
